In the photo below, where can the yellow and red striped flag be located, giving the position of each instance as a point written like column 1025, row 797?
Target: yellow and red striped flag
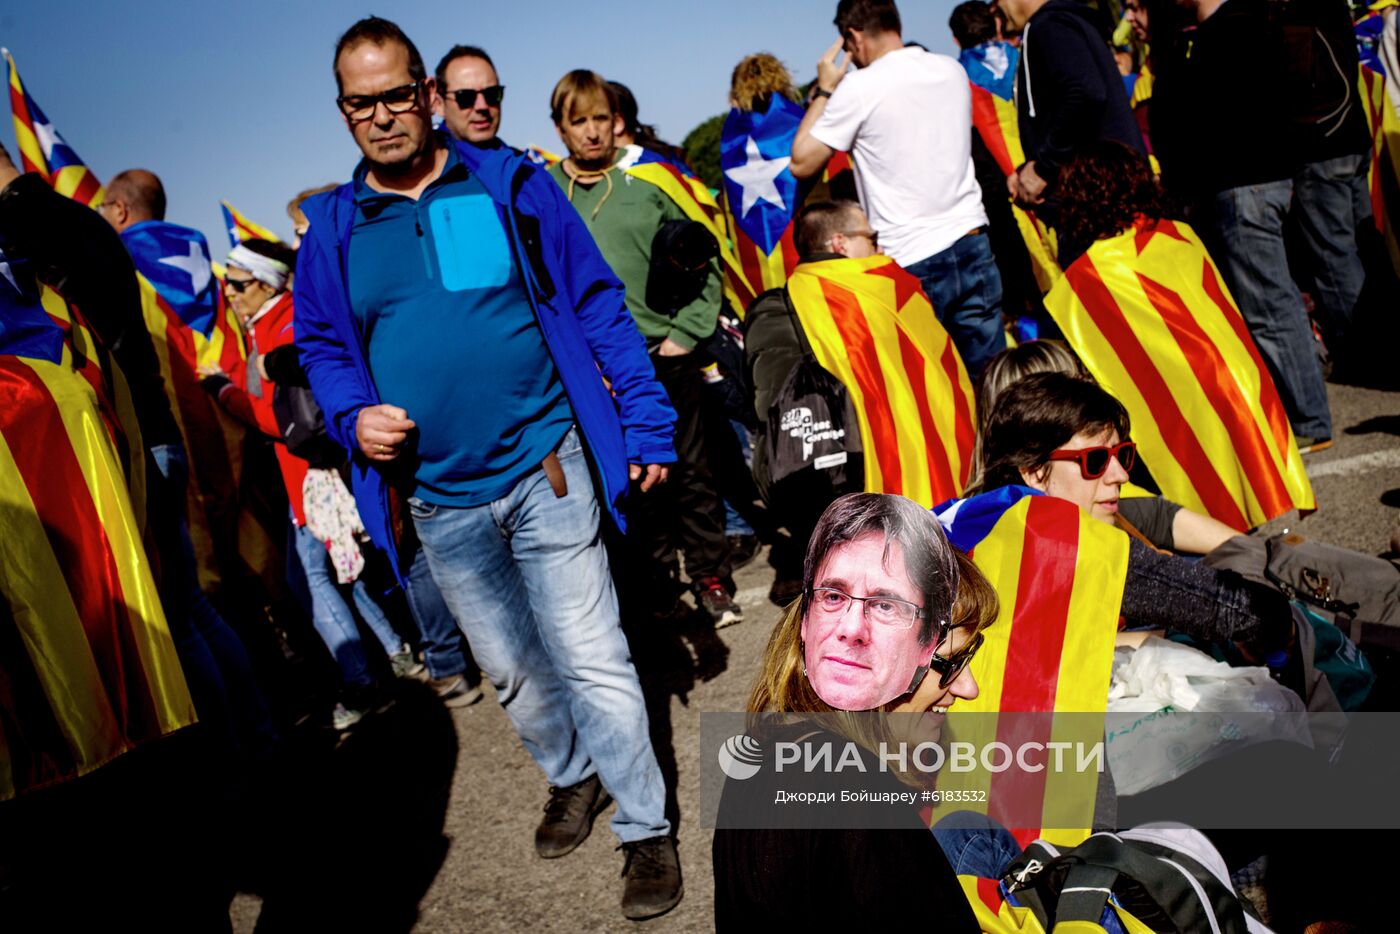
column 994, row 118
column 42, row 150
column 1384, row 122
column 1059, row 574
column 872, row 327
column 240, row 228
column 1149, row 315
column 695, row 201
column 88, row 669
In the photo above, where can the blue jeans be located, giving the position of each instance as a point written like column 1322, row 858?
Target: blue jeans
column 527, row 576
column 445, row 649
column 1244, row 231
column 734, row 523
column 1332, row 201
column 964, row 286
column 976, row 845
column 331, row 616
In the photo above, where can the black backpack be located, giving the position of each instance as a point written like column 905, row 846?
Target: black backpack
column 1162, row 887
column 812, row 424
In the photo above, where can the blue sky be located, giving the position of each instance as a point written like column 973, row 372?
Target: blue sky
column 236, row 100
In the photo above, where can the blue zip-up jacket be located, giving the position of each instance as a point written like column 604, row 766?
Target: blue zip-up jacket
column 577, row 300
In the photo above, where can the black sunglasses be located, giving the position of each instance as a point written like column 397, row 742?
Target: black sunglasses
column 239, row 285
column 466, row 97
column 359, row 107
column 949, row 668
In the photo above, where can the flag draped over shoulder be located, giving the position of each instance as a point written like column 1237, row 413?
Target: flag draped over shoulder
column 88, row 669
column 695, row 201
column 240, row 228
column 872, row 327
column 1381, row 104
column 1149, row 315
column 760, row 192
column 190, row 326
column 1059, row 574
column 994, row 118
column 42, row 150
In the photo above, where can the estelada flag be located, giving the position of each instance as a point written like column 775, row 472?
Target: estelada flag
column 42, row 150
column 872, row 327
column 1384, row 121
column 190, row 326
column 1149, row 315
column 240, row 228
column 1059, row 574
column 88, row 669
column 696, row 203
column 994, row 118
column 541, row 156
column 760, row 192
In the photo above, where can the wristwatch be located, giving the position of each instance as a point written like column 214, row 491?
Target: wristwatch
column 820, row 92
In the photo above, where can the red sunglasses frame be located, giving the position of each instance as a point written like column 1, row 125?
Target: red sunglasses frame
column 1082, row 456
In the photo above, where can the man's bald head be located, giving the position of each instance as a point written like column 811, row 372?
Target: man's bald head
column 133, row 196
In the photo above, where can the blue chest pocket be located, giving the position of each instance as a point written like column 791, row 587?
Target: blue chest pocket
column 471, row 246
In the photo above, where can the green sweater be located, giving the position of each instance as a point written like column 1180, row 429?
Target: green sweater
column 623, row 228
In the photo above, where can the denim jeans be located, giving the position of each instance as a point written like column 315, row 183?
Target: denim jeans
column 964, row 286
column 1243, row 228
column 331, row 616
column 1333, row 201
column 222, row 685
column 976, row 845
column 528, row 578
column 445, row 649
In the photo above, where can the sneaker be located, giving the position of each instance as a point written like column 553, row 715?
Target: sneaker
column 568, row 817
column 742, row 550
column 454, row 691
column 1313, row 445
column 404, row 664
column 652, row 871
column 715, row 600
column 343, row 718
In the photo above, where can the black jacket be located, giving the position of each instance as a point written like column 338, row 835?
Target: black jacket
column 1220, row 118
column 1068, row 90
column 1320, row 44
column 80, row 254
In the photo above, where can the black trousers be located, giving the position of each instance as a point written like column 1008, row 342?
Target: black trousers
column 685, row 514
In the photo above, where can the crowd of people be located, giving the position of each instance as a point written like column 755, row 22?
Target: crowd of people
column 485, row 411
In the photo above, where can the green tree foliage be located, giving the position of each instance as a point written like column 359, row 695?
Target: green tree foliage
column 702, row 150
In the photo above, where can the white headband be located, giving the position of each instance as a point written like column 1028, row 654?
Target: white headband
column 265, row 269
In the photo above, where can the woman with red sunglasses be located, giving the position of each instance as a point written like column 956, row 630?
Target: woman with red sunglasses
column 1065, row 436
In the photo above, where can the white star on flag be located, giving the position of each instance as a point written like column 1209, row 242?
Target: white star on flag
column 756, row 178
column 48, row 138
column 196, row 265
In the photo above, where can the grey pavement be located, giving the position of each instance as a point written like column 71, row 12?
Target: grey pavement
column 490, row 879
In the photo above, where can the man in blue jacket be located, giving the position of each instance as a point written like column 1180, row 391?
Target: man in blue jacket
column 471, row 349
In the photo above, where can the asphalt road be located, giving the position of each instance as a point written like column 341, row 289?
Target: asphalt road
column 476, row 870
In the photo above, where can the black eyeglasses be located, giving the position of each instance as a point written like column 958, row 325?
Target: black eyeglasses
column 360, row 107
column 466, row 97
column 239, row 285
column 949, row 668
column 887, row 611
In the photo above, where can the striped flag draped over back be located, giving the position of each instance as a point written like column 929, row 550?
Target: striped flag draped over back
column 88, row 669
column 42, row 150
column 190, row 326
column 696, row 202
column 1149, row 315
column 1059, row 574
column 240, row 228
column 1383, row 118
column 872, row 327
column 760, row 193
column 994, row 118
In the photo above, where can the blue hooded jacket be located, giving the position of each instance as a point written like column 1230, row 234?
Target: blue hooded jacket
column 577, row 300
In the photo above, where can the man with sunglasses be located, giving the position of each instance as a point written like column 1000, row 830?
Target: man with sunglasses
column 469, row 96
column 470, row 347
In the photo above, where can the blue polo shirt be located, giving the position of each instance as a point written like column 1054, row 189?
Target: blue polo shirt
column 451, row 337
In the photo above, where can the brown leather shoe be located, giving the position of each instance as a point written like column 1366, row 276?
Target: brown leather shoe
column 568, row 817
column 653, row 878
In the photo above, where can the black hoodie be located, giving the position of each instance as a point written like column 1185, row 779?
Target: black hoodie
column 1068, row 89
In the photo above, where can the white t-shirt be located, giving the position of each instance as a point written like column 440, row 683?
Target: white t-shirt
column 906, row 119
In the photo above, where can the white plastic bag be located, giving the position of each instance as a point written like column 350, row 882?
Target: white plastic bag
column 1172, row 707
